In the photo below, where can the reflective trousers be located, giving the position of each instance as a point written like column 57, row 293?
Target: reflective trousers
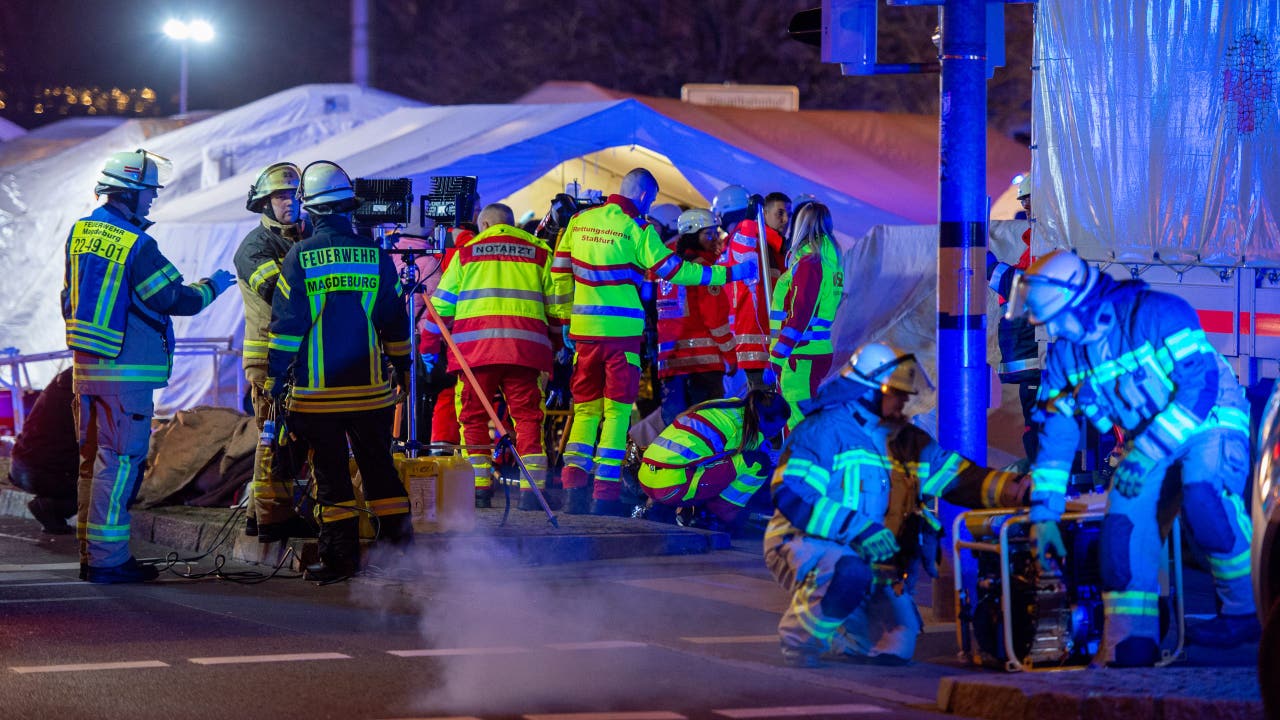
column 114, row 431
column 444, row 417
column 799, row 380
column 369, row 435
column 606, row 381
column 271, row 495
column 723, row 486
column 1215, row 467
column 519, row 387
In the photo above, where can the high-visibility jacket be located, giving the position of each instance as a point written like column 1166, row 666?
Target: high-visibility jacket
column 337, row 309
column 600, row 264
column 257, row 262
column 843, row 469
column 751, row 327
column 1019, row 351
column 693, row 326
column 804, row 305
column 706, row 432
column 494, row 295
column 1154, row 375
column 118, row 293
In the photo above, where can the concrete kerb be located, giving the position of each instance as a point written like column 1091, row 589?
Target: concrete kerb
column 1220, row 693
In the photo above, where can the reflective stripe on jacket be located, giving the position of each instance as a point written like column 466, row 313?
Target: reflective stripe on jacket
column 600, row 263
column 705, row 432
column 494, row 295
column 693, row 326
column 751, row 327
column 118, row 294
column 336, row 310
column 804, row 305
column 257, row 263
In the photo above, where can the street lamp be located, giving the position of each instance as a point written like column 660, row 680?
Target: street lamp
column 197, row 30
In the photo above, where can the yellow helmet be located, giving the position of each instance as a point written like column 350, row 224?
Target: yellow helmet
column 277, row 177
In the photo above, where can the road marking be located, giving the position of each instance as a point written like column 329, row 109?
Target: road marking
column 597, row 645
column 40, row 566
column 41, row 584
column 23, row 538
column 638, row 715
column 801, row 711
column 89, row 666
column 19, row 601
column 439, row 652
column 731, row 639
column 295, row 657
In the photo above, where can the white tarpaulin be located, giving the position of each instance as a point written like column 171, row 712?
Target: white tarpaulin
column 1155, row 128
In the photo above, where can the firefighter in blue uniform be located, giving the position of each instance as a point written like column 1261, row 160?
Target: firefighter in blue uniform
column 1129, row 357
column 118, row 294
column 336, row 311
column 853, row 526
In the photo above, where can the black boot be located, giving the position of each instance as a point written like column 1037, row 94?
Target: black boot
column 52, row 520
column 529, row 501
column 339, row 552
column 129, row 571
column 294, row 527
column 577, row 501
column 395, row 531
column 251, row 526
column 484, row 497
column 610, row 508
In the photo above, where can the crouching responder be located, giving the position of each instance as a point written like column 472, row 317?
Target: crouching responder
column 853, row 524
column 695, row 344
column 605, row 253
column 494, row 295
column 1129, row 357
column 336, row 310
column 274, row 195
column 118, row 294
column 713, row 456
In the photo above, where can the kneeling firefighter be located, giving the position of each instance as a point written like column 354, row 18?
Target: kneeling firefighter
column 336, row 310
column 852, row 525
column 714, row 454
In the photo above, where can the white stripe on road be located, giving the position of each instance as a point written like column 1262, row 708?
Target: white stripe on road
column 639, row 715
column 598, row 645
column 40, row 566
column 41, row 584
column 801, row 711
column 89, row 666
column 23, row 538
column 19, row 601
column 296, row 657
column 439, row 652
column 731, row 639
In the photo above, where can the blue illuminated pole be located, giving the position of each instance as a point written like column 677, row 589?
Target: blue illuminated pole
column 963, row 377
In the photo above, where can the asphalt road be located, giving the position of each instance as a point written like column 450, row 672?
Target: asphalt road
column 660, row 639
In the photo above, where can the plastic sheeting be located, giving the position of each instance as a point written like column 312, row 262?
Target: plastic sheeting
column 1155, row 130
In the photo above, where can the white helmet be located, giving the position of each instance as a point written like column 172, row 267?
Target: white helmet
column 277, row 177
column 324, row 183
column 733, row 198
column 696, row 219
column 666, row 215
column 1024, row 186
column 137, row 170
column 1055, row 282
column 883, row 367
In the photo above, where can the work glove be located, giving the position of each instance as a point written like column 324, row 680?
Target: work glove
column 875, row 544
column 747, row 271
column 429, row 362
column 221, row 280
column 1048, row 542
column 1133, row 469
column 758, row 462
column 274, row 388
column 770, row 377
column 568, row 343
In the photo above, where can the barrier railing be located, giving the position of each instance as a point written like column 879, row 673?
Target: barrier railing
column 15, row 373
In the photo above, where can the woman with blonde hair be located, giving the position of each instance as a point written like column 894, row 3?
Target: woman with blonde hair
column 804, row 308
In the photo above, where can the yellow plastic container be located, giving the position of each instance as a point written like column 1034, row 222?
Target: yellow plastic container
column 441, row 492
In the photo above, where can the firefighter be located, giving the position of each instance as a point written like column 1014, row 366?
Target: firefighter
column 804, row 308
column 494, row 297
column 605, row 253
column 1019, row 352
column 714, row 455
column 118, row 295
column 274, row 195
column 695, row 345
column 852, row 526
column 734, row 206
column 336, row 310
column 1128, row 357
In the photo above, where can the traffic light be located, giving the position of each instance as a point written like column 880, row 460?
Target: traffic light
column 845, row 30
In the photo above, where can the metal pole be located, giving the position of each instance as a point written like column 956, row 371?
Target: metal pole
column 963, row 376
column 182, row 79
column 360, row 42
